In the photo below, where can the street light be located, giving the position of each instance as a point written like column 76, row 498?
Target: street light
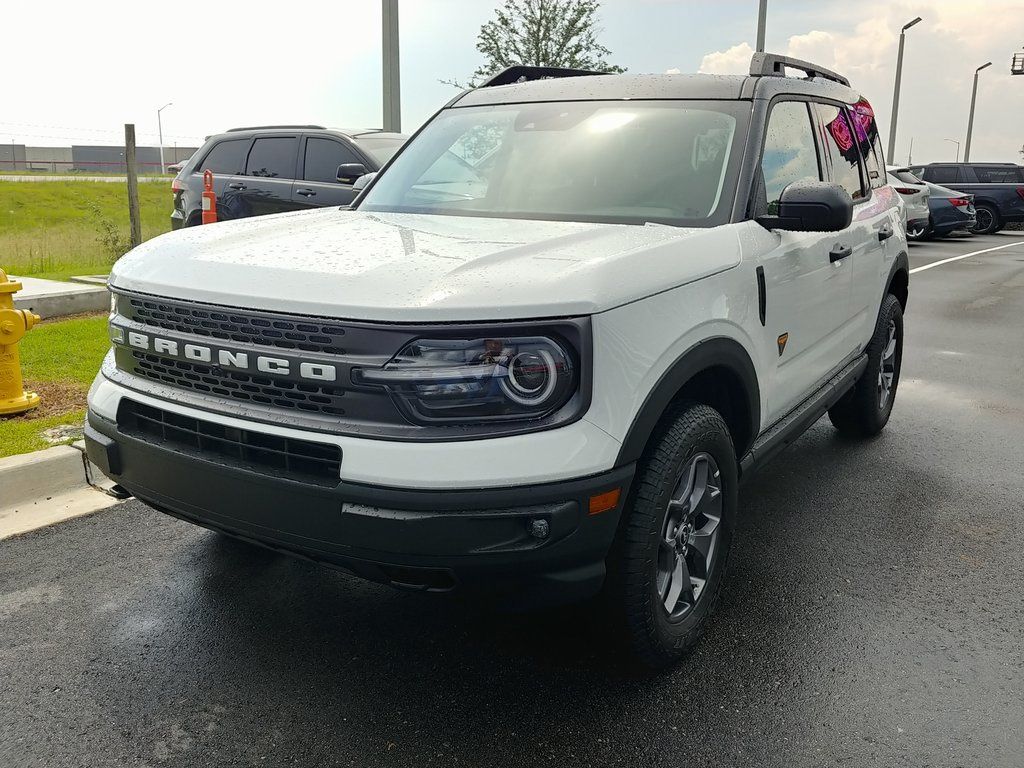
column 970, row 120
column 896, row 88
column 160, row 131
column 957, row 148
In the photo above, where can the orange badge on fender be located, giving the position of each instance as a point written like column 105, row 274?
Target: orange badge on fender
column 782, row 343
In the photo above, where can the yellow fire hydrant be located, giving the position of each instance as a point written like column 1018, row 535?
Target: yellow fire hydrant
column 14, row 323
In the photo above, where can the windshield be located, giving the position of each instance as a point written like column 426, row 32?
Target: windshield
column 623, row 161
column 380, row 148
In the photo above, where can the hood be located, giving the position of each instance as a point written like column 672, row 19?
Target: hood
column 400, row 267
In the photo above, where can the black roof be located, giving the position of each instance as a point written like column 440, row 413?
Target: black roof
column 530, row 84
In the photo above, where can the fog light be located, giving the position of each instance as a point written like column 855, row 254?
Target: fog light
column 539, row 529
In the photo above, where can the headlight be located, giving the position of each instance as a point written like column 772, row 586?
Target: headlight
column 484, row 379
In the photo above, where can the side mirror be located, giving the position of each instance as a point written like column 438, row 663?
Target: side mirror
column 812, row 206
column 363, row 180
column 349, row 172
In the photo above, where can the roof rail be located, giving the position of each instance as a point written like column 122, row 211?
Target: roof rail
column 521, row 73
column 274, row 127
column 773, row 65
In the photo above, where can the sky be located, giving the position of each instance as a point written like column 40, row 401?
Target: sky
column 78, row 70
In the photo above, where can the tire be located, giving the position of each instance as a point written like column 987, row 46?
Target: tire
column 987, row 220
column 865, row 409
column 691, row 463
column 924, row 233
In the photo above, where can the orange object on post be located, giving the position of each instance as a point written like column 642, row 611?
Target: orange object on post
column 209, row 199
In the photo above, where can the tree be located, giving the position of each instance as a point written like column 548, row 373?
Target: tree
column 541, row 33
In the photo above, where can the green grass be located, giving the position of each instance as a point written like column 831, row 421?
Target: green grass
column 67, row 351
column 60, row 359
column 24, row 436
column 51, row 229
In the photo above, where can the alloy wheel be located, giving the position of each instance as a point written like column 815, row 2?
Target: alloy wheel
column 687, row 550
column 887, row 368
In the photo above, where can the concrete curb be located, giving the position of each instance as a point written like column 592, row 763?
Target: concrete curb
column 46, row 487
column 72, row 302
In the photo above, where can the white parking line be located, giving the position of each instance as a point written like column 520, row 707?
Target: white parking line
column 965, row 256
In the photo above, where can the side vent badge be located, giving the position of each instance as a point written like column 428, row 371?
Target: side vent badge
column 782, row 343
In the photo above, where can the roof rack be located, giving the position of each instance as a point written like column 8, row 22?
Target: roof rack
column 521, row 73
column 274, row 127
column 773, row 65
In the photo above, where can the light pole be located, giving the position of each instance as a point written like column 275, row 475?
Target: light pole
column 957, row 148
column 160, row 132
column 762, row 14
column 970, row 120
column 392, row 74
column 896, row 88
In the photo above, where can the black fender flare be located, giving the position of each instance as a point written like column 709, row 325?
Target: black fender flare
column 900, row 264
column 716, row 352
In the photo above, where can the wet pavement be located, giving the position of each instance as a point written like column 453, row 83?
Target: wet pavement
column 872, row 614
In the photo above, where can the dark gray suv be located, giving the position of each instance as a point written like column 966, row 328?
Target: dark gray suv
column 998, row 190
column 270, row 169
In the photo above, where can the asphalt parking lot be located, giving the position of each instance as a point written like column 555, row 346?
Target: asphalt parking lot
column 872, row 614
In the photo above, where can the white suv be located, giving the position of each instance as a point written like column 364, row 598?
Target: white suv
column 540, row 351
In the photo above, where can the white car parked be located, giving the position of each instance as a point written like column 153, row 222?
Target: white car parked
column 915, row 195
column 540, row 350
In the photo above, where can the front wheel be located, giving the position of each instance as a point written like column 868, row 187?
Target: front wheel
column 986, row 220
column 667, row 568
column 865, row 409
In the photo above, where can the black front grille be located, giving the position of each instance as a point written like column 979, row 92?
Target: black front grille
column 299, row 460
column 238, row 385
column 247, row 327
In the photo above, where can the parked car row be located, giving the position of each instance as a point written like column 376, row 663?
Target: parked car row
column 996, row 190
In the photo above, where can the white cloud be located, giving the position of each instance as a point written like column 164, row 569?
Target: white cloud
column 939, row 61
column 733, row 61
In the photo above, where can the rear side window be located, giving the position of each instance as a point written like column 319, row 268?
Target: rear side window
column 789, row 151
column 323, row 156
column 994, row 174
column 866, row 130
column 225, row 157
column 841, row 149
column 273, row 157
column 943, row 174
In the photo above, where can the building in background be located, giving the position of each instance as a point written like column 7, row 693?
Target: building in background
column 84, row 158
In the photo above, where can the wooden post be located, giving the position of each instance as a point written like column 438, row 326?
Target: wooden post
column 133, row 184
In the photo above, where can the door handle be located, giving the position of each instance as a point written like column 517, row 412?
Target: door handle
column 839, row 252
column 236, row 185
column 306, row 192
column 885, row 233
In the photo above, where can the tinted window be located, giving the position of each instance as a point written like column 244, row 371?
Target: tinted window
column 272, row 157
column 789, row 152
column 323, row 156
column 841, row 149
column 942, row 174
column 866, row 130
column 634, row 162
column 994, row 174
column 225, row 157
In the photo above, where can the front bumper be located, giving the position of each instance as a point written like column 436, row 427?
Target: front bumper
column 431, row 540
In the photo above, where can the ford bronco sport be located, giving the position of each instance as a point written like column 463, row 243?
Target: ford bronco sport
column 540, row 350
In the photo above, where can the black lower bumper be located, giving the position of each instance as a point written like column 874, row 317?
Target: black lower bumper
column 536, row 543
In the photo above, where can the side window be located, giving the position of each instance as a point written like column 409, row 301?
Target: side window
column 942, row 174
column 866, row 130
column 994, row 174
column 273, row 157
column 789, row 152
column 841, row 149
column 225, row 157
column 323, row 156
